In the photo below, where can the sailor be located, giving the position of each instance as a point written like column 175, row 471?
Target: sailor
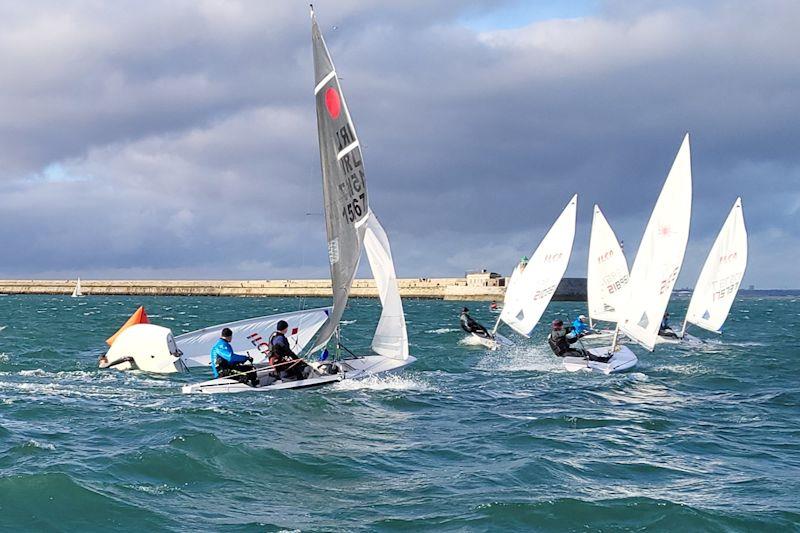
column 560, row 343
column 226, row 363
column 287, row 365
column 580, row 327
column 469, row 325
column 493, row 306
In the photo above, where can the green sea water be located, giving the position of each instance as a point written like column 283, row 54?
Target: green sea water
column 464, row 440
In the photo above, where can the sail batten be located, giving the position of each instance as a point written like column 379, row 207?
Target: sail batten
column 722, row 274
column 660, row 256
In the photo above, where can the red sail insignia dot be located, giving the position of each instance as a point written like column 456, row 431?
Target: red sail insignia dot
column 332, row 103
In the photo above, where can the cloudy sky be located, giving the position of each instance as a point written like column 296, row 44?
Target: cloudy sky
column 178, row 139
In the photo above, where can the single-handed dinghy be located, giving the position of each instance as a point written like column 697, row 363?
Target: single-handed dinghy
column 532, row 285
column 351, row 225
column 76, row 292
column 607, row 278
column 719, row 281
column 655, row 270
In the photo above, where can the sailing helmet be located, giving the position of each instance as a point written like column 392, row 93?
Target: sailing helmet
column 582, row 318
column 558, row 323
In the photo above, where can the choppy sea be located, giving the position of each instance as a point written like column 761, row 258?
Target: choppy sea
column 464, row 440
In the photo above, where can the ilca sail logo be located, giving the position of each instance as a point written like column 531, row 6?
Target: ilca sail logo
column 333, row 251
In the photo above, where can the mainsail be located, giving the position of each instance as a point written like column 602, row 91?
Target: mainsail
column 722, row 274
column 607, row 275
column 343, row 183
column 531, row 290
column 660, row 255
column 252, row 334
column 76, row 292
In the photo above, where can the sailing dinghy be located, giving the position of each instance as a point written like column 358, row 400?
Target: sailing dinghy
column 655, row 270
column 607, row 277
column 532, row 285
column 351, row 225
column 722, row 274
column 76, row 292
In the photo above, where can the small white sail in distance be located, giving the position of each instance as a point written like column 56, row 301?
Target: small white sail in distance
column 76, row 292
column 607, row 271
column 531, row 290
column 660, row 256
column 722, row 273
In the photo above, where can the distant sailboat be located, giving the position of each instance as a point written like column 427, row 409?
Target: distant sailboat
column 76, row 292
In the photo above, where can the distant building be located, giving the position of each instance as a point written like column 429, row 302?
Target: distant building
column 484, row 278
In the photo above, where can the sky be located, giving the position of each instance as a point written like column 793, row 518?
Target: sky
column 177, row 140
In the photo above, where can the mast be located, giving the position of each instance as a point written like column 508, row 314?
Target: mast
column 343, row 181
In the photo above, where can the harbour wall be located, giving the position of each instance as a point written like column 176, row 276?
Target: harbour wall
column 572, row 289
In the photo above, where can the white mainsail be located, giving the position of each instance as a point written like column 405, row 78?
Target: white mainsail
column 76, row 292
column 660, row 255
column 252, row 335
column 722, row 274
column 529, row 293
column 607, row 274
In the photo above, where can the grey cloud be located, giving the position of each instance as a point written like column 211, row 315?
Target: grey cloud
column 190, row 128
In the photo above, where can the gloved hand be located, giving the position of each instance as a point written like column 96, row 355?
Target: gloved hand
column 250, row 358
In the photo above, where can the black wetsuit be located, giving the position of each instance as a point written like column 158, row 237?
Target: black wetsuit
column 469, row 325
column 281, row 355
column 561, row 344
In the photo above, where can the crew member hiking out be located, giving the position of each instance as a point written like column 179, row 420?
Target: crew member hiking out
column 561, row 344
column 469, row 325
column 226, row 363
column 287, row 365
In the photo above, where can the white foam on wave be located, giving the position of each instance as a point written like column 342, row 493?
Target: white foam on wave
column 441, row 331
column 3, row 327
column 521, row 359
column 347, row 322
column 157, row 490
column 384, row 383
column 4, row 357
column 38, row 372
column 470, row 340
column 41, row 445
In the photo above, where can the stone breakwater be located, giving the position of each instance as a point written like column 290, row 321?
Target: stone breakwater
column 436, row 288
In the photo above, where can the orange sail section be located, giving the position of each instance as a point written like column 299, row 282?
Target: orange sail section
column 138, row 317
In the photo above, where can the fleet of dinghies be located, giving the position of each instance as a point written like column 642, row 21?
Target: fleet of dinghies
column 633, row 301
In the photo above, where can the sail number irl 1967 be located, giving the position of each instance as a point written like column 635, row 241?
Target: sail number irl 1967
column 352, row 189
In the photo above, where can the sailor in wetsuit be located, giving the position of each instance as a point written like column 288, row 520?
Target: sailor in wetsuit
column 469, row 325
column 225, row 363
column 560, row 343
column 287, row 365
column 580, row 327
column 664, row 328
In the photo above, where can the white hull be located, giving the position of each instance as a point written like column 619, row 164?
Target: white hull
column 624, row 359
column 355, row 368
column 493, row 344
column 686, row 340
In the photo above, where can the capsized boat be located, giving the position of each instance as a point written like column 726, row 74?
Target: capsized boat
column 351, row 226
column 533, row 284
column 140, row 345
column 719, row 280
column 655, row 271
